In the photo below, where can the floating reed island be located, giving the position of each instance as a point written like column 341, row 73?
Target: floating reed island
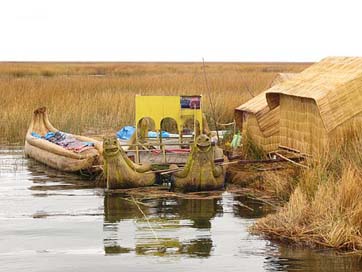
column 317, row 113
column 307, row 119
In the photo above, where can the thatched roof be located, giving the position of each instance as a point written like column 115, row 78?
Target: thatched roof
column 335, row 84
column 281, row 77
column 254, row 105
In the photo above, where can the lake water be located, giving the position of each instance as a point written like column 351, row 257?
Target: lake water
column 51, row 221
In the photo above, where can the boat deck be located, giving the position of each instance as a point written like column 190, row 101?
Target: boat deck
column 173, row 153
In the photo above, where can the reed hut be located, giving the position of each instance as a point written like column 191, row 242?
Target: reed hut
column 257, row 122
column 320, row 105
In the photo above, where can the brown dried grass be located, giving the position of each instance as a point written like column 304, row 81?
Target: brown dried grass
column 326, row 207
column 93, row 97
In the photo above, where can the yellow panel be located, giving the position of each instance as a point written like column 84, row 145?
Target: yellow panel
column 160, row 107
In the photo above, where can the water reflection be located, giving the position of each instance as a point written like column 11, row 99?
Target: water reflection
column 245, row 207
column 163, row 227
column 199, row 211
column 46, row 178
column 288, row 258
column 48, row 215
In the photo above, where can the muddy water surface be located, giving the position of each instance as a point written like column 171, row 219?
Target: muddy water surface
column 51, row 221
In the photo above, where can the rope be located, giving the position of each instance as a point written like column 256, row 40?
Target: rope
column 144, row 215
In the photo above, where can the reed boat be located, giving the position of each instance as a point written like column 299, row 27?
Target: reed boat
column 150, row 151
column 66, row 152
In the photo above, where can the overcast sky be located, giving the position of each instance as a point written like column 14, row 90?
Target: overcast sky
column 172, row 30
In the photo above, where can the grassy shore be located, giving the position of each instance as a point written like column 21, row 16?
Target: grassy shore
column 325, row 209
column 94, row 97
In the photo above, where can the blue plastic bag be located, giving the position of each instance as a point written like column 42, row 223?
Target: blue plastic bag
column 126, row 132
column 153, row 134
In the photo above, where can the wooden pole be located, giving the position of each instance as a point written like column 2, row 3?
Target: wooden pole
column 291, row 161
column 210, row 100
column 194, row 124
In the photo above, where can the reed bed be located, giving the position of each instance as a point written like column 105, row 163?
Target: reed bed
column 90, row 98
column 325, row 209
